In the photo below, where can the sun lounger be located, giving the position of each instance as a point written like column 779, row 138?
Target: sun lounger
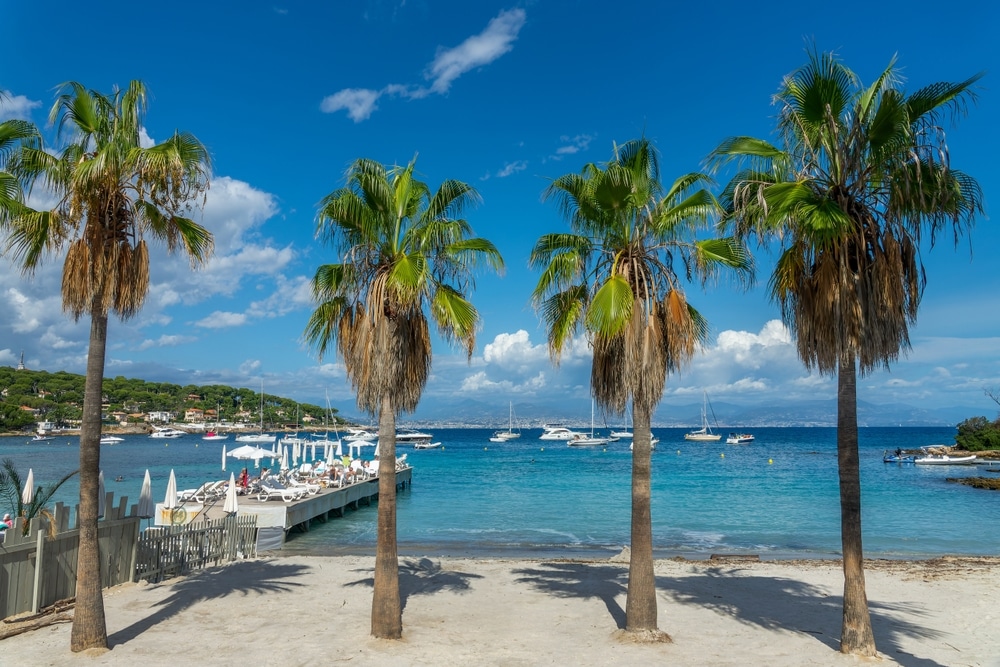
column 205, row 492
column 272, row 488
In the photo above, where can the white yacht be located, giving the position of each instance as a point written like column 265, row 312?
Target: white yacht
column 410, row 436
column 166, row 433
column 557, row 432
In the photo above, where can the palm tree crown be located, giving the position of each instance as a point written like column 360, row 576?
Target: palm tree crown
column 861, row 178
column 112, row 192
column 402, row 248
column 620, row 273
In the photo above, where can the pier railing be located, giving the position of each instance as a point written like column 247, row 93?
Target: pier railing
column 38, row 567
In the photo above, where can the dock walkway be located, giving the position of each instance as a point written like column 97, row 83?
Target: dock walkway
column 276, row 518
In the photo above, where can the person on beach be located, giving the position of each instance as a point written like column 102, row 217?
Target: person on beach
column 7, row 522
column 244, row 480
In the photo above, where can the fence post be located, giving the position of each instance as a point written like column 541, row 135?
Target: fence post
column 36, row 591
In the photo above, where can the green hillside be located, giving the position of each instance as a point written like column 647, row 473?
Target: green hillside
column 58, row 398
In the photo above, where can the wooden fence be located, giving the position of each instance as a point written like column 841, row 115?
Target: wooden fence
column 171, row 550
column 39, row 569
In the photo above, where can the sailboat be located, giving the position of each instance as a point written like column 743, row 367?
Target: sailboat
column 627, row 431
column 213, row 432
column 510, row 433
column 703, row 434
column 592, row 440
column 258, row 437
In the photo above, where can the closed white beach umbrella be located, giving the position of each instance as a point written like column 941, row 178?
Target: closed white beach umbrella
column 170, row 501
column 284, row 458
column 375, row 455
column 340, row 447
column 223, row 458
column 295, row 453
column 329, row 456
column 100, row 494
column 231, row 506
column 29, row 488
column 313, row 451
column 145, row 508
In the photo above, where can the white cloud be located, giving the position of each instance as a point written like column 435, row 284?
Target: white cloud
column 572, row 145
column 476, row 51
column 512, row 168
column 166, row 341
column 16, row 106
column 222, row 320
column 359, row 102
column 447, row 66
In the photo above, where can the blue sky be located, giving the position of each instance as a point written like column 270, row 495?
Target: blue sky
column 505, row 96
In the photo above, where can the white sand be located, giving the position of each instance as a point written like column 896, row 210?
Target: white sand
column 315, row 611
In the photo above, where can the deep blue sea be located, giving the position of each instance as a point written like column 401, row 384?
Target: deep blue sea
column 777, row 497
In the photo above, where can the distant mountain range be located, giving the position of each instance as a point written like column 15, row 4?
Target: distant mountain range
column 474, row 413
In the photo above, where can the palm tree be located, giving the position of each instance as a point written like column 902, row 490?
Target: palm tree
column 11, row 487
column 402, row 250
column 112, row 194
column 620, row 275
column 860, row 177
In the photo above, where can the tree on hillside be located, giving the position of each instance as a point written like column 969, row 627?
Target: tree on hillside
column 620, row 275
column 112, row 194
column 859, row 179
column 404, row 254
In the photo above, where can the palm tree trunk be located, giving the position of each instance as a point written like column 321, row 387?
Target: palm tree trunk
column 387, row 614
column 640, row 605
column 856, row 636
column 89, row 625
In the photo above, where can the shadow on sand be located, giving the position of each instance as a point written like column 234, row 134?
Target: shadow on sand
column 241, row 578
column 772, row 603
column 423, row 577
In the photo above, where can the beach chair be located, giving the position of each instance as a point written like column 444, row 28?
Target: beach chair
column 272, row 488
column 308, row 487
column 206, row 491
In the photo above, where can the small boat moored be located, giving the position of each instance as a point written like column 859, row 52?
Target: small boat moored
column 945, row 460
column 739, row 438
column 426, row 445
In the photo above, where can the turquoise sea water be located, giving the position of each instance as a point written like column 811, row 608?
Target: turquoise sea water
column 777, row 497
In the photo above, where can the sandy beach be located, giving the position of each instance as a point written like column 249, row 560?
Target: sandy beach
column 315, row 611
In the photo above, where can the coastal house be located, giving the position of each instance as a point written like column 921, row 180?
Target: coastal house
column 120, row 416
column 194, row 415
column 161, row 416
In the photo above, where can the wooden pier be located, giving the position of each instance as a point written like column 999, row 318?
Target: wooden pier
column 275, row 518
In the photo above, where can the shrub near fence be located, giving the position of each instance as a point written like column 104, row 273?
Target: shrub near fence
column 37, row 570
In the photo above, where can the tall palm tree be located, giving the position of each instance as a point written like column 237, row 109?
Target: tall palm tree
column 860, row 177
column 404, row 253
column 620, row 275
column 112, row 194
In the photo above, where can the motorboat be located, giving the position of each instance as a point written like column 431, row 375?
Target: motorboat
column 898, row 457
column 426, row 445
column 944, row 460
column 555, row 432
column 167, row 433
column 354, row 434
column 626, row 432
column 652, row 444
column 739, row 438
column 111, row 439
column 41, row 438
column 411, row 436
column 256, row 437
column 703, row 434
column 510, row 433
